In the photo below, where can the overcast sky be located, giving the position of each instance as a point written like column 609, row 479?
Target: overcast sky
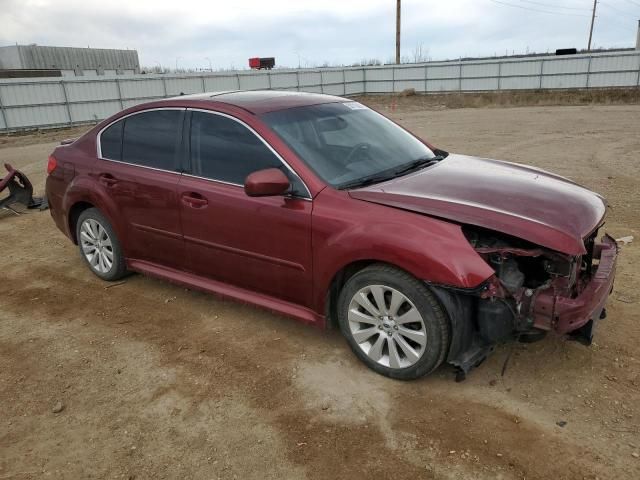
column 228, row 32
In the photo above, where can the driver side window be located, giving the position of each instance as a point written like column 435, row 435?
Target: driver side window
column 225, row 150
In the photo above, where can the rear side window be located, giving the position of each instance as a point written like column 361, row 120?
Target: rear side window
column 152, row 139
column 223, row 149
column 111, row 142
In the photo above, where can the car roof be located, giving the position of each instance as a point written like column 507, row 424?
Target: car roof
column 261, row 101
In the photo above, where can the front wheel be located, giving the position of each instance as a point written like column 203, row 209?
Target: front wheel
column 393, row 322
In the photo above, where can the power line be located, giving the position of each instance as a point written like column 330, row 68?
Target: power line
column 555, row 6
column 497, row 2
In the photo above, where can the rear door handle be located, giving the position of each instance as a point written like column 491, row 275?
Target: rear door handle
column 194, row 200
column 107, row 179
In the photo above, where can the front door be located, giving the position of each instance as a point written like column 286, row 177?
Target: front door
column 260, row 244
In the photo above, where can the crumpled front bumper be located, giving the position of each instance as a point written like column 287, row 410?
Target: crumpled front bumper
column 565, row 314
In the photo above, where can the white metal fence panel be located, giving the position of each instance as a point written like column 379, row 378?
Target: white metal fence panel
column 354, row 75
column 480, row 70
column 309, row 78
column 409, row 73
column 519, row 83
column 222, row 83
column 177, row 86
column 354, row 88
column 417, row 85
column 312, row 89
column 513, row 68
column 333, row 89
column 564, row 81
column 136, row 101
column 608, row 64
column 381, row 86
column 443, row 85
column 142, row 88
column 619, row 79
column 31, row 94
column 29, row 103
column 254, row 82
column 332, row 76
column 476, row 84
column 88, row 91
column 94, row 111
column 25, row 117
column 565, row 65
column 378, row 74
column 443, row 71
column 284, row 80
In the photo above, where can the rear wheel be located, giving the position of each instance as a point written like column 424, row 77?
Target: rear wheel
column 393, row 322
column 99, row 246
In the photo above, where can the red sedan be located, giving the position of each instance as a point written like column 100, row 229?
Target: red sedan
column 322, row 209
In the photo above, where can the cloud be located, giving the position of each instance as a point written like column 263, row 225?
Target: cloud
column 309, row 32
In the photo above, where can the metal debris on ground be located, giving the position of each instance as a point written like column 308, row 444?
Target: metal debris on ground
column 625, row 240
column 20, row 191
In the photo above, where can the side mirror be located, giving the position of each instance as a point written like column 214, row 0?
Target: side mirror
column 266, row 183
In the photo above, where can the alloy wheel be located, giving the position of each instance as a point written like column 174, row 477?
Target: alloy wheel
column 387, row 326
column 96, row 245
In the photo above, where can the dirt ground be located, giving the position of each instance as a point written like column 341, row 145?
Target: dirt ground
column 160, row 382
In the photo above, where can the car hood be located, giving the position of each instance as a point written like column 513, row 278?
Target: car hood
column 528, row 203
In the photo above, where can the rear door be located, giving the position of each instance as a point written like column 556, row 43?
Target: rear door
column 139, row 167
column 260, row 244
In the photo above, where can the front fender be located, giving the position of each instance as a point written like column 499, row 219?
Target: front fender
column 430, row 249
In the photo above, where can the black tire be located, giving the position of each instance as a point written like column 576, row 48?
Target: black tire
column 118, row 268
column 434, row 317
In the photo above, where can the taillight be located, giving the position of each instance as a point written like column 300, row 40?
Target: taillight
column 51, row 164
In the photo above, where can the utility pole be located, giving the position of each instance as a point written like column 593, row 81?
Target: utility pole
column 397, row 31
column 593, row 19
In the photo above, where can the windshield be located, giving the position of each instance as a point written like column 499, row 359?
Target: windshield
column 347, row 144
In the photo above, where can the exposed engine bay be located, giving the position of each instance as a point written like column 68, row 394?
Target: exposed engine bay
column 534, row 290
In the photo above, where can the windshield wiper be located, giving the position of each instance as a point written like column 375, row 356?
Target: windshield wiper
column 363, row 182
column 417, row 164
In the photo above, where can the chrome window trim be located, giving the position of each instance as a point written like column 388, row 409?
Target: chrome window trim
column 277, row 155
column 213, row 180
column 212, row 112
column 141, row 166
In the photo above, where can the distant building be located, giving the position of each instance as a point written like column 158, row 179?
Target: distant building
column 68, row 61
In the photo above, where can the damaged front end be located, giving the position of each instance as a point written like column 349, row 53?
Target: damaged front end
column 534, row 290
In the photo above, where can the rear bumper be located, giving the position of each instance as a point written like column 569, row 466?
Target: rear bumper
column 564, row 314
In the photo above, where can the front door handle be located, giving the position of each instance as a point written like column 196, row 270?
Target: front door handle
column 194, row 200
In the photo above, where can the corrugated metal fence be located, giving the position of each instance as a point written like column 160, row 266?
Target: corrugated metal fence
column 69, row 101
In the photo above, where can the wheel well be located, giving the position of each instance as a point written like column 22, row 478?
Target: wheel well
column 338, row 281
column 74, row 214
